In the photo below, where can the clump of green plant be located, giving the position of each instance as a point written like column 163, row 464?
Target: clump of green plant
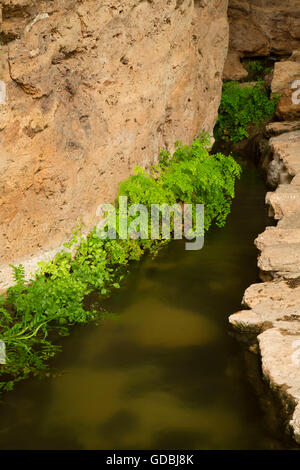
column 243, row 106
column 258, row 68
column 33, row 315
column 191, row 175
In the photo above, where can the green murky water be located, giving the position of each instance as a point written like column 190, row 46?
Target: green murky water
column 164, row 371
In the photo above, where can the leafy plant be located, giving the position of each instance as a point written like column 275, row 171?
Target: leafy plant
column 191, row 175
column 34, row 314
column 258, row 68
column 242, row 106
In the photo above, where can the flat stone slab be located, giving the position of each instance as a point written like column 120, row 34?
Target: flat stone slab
column 276, row 291
column 286, row 148
column 270, row 304
column 285, row 73
column 272, row 309
column 296, row 180
column 280, row 354
column 285, row 140
column 278, row 128
column 291, row 221
column 285, row 258
column 277, row 236
column 284, row 201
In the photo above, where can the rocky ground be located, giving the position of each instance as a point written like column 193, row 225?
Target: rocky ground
column 272, row 308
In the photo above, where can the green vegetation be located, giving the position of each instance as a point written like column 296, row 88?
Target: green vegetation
column 243, row 106
column 190, row 175
column 258, row 69
column 34, row 315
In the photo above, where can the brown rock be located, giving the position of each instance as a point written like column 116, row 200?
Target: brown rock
column 280, row 354
column 284, row 201
column 273, row 308
column 285, row 75
column 270, row 304
column 281, row 261
column 291, row 221
column 295, row 57
column 93, row 89
column 277, row 128
column 277, row 236
column 233, row 69
column 285, row 164
column 260, row 28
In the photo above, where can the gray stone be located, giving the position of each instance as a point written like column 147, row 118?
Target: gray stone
column 280, row 354
column 272, row 309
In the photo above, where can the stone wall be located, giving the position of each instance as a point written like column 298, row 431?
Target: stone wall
column 94, row 88
column 272, row 308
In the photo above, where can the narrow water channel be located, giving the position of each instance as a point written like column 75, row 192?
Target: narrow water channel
column 163, row 371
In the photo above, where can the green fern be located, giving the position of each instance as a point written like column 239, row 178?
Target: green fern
column 242, row 106
column 32, row 314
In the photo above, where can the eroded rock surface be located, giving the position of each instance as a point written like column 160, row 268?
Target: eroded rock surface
column 286, row 82
column 272, row 309
column 280, row 351
column 261, row 28
column 268, row 304
column 285, row 164
column 277, row 128
column 93, row 89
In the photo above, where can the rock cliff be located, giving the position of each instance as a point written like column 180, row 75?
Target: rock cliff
column 261, row 28
column 94, row 88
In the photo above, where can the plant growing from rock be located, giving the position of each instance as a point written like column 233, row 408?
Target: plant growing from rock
column 243, row 106
column 33, row 315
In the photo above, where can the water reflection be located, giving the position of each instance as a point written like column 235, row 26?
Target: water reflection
column 163, row 372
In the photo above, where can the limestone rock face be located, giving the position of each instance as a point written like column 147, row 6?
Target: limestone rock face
column 285, row 165
column 233, row 69
column 94, row 88
column 260, row 28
